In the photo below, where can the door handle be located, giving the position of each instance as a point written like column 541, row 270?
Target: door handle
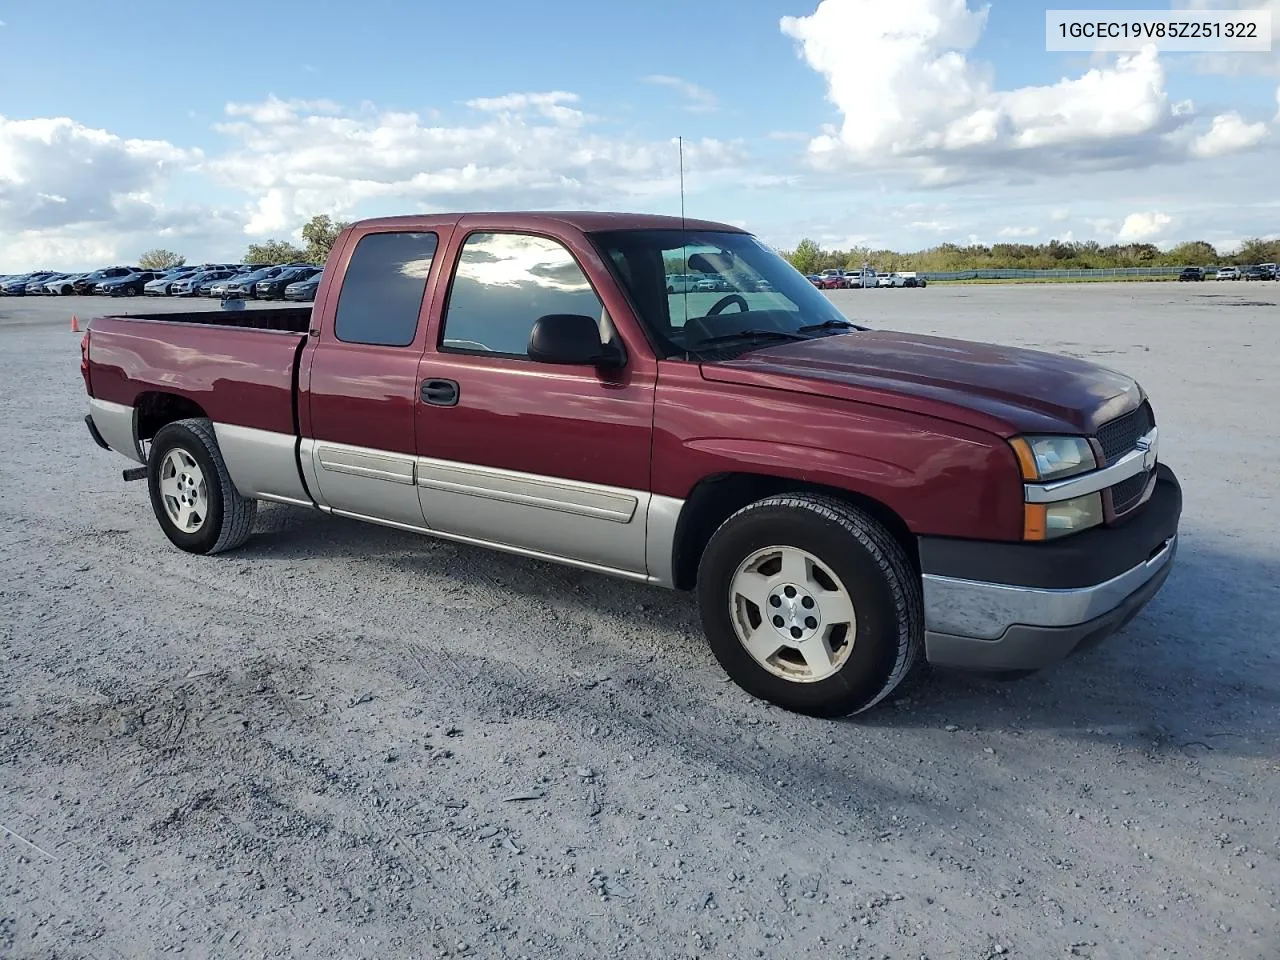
column 441, row 393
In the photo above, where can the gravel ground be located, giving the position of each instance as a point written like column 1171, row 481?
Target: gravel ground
column 346, row 741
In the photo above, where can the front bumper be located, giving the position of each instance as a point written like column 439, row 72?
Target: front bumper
column 1036, row 604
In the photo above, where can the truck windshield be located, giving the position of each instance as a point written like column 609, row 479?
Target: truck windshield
column 705, row 292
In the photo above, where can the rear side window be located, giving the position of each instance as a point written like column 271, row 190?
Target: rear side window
column 506, row 281
column 383, row 287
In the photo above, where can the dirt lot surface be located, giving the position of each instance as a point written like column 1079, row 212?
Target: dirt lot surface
column 346, row 741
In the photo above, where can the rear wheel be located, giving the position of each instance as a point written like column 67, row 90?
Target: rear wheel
column 810, row 603
column 197, row 505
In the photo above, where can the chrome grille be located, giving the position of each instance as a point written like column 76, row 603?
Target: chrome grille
column 1120, row 435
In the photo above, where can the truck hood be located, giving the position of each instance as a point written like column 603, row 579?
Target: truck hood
column 1005, row 390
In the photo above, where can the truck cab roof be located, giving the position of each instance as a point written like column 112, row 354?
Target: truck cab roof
column 588, row 221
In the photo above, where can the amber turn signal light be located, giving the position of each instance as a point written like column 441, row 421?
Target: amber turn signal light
column 1034, row 521
column 1026, row 459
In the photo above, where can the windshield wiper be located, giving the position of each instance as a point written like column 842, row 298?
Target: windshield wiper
column 750, row 335
column 827, row 325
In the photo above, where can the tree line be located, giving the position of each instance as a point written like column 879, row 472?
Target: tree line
column 808, row 257
column 318, row 234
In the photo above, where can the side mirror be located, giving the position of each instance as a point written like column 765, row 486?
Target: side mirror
column 571, row 338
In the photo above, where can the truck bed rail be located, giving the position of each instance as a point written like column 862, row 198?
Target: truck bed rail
column 279, row 319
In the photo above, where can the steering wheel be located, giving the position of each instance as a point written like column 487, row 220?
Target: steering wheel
column 725, row 301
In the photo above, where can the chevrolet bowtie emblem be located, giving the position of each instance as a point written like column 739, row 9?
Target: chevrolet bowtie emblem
column 1148, row 453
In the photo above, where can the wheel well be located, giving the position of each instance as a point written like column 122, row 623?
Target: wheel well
column 717, row 498
column 155, row 410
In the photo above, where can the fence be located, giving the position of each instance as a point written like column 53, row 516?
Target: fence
column 1016, row 274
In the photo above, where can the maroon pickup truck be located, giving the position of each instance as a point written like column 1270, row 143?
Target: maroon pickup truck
column 845, row 501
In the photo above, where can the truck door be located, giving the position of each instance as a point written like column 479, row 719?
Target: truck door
column 361, row 388
column 543, row 459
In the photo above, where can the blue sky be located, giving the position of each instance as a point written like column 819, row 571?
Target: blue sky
column 207, row 131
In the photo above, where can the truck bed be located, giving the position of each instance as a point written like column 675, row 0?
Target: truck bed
column 235, row 367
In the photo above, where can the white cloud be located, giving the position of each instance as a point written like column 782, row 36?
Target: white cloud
column 898, row 72
column 1228, row 134
column 71, row 193
column 762, row 180
column 841, row 241
column 271, row 215
column 275, row 110
column 550, row 105
column 1235, row 64
column 1272, row 5
column 1142, row 227
column 1277, row 116
column 523, row 149
column 73, row 196
column 198, row 231
column 56, row 173
column 701, row 100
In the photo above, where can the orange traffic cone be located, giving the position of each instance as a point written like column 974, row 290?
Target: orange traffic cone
column 75, row 324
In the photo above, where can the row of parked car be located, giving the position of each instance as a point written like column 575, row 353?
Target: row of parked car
column 835, row 279
column 1259, row 271
column 281, row 281
column 701, row 283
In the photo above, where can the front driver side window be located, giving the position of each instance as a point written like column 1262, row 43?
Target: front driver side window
column 506, row 281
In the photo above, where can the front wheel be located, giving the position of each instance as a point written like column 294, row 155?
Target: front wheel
column 811, row 604
column 194, row 499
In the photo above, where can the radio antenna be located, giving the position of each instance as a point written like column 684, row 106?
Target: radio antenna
column 680, row 146
column 684, row 237
column 684, row 231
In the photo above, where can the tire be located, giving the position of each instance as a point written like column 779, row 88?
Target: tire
column 872, row 633
column 185, row 469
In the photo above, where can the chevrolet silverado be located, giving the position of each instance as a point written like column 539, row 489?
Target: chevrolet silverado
column 845, row 501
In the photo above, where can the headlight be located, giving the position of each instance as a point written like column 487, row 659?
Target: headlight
column 1046, row 521
column 1052, row 458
